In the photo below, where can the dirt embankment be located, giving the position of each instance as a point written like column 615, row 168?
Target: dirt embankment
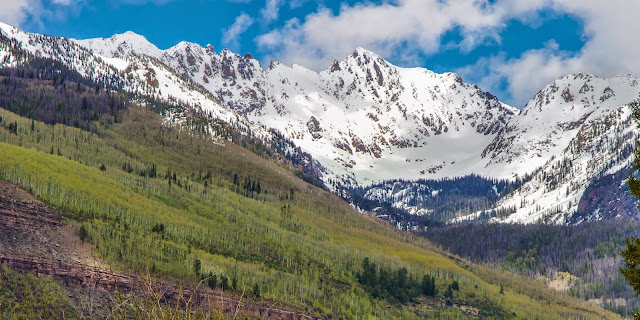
column 37, row 240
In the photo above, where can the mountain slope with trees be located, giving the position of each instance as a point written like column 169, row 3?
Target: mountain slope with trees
column 159, row 197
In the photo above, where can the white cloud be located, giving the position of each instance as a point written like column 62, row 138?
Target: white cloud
column 296, row 3
column 406, row 29
column 31, row 12
column 232, row 34
column 386, row 27
column 14, row 12
column 271, row 10
column 611, row 49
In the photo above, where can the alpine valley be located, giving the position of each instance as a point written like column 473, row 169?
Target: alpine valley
column 276, row 175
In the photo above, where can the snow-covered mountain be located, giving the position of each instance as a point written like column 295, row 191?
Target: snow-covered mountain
column 367, row 121
column 574, row 136
column 363, row 118
column 142, row 75
column 577, row 128
column 377, row 121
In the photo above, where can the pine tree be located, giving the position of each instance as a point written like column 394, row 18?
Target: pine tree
column 197, row 267
column 213, row 280
column 448, row 293
column 455, row 285
column 83, row 233
column 256, row 290
column 428, row 286
column 224, row 283
column 631, row 254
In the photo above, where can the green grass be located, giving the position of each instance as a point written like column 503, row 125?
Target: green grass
column 303, row 251
column 28, row 297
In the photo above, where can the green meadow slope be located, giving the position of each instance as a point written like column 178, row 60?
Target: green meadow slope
column 151, row 197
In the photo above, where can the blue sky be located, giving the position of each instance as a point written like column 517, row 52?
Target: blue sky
column 512, row 48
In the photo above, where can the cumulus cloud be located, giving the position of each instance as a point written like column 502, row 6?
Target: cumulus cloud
column 14, row 12
column 610, row 49
column 31, row 12
column 387, row 27
column 405, row 30
column 271, row 10
column 232, row 34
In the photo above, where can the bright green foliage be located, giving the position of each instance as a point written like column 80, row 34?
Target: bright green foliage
column 27, row 297
column 303, row 245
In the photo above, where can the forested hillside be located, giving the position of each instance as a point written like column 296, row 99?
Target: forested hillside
column 580, row 260
column 157, row 197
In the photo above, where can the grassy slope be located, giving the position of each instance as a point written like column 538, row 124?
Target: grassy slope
column 28, row 297
column 303, row 250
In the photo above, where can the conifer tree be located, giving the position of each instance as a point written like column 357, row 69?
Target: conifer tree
column 256, row 290
column 224, row 283
column 197, row 267
column 631, row 254
column 213, row 280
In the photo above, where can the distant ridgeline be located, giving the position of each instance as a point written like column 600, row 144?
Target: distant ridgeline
column 589, row 252
column 416, row 204
column 425, row 202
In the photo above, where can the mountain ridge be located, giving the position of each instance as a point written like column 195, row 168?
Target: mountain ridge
column 367, row 121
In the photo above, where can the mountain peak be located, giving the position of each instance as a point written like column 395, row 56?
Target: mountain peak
column 121, row 45
column 360, row 51
column 127, row 33
column 363, row 56
column 131, row 37
column 360, row 58
column 186, row 44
